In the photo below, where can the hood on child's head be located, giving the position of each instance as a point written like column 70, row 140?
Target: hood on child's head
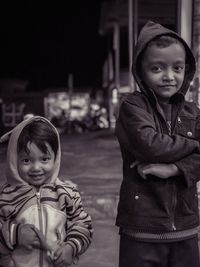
column 12, row 174
column 150, row 31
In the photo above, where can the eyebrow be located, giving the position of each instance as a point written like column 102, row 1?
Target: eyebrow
column 180, row 61
column 163, row 62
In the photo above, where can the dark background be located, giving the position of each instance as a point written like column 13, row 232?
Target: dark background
column 44, row 43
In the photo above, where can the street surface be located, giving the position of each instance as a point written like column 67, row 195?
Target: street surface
column 93, row 162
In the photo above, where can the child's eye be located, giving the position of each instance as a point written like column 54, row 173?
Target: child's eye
column 156, row 69
column 179, row 68
column 46, row 159
column 26, row 160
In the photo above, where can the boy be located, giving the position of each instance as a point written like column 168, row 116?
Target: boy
column 159, row 133
column 42, row 221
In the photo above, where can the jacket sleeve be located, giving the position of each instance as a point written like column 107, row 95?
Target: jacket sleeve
column 190, row 165
column 6, row 246
column 7, row 230
column 137, row 132
column 190, row 169
column 79, row 226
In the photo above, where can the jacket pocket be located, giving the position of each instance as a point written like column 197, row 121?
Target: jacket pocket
column 149, row 199
column 186, row 126
column 187, row 202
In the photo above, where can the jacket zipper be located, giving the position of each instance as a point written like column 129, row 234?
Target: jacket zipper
column 173, row 208
column 39, row 209
column 40, row 224
column 169, row 127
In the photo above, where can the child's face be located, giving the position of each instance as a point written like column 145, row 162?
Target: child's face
column 163, row 69
column 36, row 167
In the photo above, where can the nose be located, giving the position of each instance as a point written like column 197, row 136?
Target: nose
column 35, row 166
column 168, row 75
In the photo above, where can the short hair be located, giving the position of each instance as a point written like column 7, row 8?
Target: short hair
column 163, row 41
column 39, row 133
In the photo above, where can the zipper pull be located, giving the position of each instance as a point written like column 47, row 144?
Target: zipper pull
column 173, row 227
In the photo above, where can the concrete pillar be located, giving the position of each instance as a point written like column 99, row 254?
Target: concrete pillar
column 185, row 20
column 196, row 51
column 196, row 48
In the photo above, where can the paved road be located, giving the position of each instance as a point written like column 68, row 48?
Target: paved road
column 93, row 162
column 103, row 251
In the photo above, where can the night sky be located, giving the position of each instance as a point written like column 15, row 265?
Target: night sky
column 44, row 43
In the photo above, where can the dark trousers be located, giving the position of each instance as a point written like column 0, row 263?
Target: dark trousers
column 150, row 254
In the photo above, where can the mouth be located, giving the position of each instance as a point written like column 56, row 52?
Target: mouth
column 168, row 86
column 36, row 176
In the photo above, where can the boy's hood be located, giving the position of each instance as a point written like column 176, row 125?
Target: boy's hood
column 12, row 174
column 147, row 34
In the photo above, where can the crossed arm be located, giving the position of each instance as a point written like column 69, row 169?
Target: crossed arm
column 157, row 153
column 161, row 170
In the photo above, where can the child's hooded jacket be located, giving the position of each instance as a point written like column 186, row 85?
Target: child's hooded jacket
column 158, row 205
column 56, row 210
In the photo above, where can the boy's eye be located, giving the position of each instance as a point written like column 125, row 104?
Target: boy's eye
column 179, row 68
column 155, row 69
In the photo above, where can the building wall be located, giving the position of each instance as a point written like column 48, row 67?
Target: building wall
column 196, row 48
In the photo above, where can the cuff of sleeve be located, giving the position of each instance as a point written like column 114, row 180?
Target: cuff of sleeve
column 8, row 235
column 13, row 234
column 76, row 245
column 189, row 181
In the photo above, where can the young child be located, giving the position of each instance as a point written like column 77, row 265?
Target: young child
column 159, row 133
column 42, row 221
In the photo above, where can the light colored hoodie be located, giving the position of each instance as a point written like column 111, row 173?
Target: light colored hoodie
column 56, row 210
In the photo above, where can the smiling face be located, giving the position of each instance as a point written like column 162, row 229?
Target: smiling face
column 163, row 69
column 35, row 166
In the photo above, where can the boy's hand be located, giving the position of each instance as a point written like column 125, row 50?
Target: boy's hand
column 160, row 170
column 63, row 256
column 30, row 237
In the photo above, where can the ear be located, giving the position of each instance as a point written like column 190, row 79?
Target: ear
column 5, row 138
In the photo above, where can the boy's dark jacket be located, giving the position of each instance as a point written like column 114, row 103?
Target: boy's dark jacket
column 155, row 204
